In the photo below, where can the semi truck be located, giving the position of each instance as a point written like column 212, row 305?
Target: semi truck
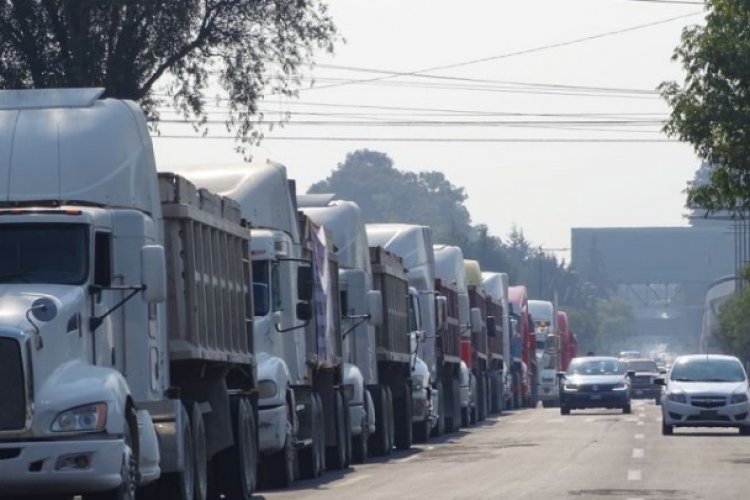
column 523, row 347
column 126, row 345
column 437, row 346
column 547, row 351
column 568, row 341
column 496, row 286
column 373, row 286
column 303, row 419
column 450, row 281
column 485, row 341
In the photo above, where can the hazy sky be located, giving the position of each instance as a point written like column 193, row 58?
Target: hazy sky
column 543, row 187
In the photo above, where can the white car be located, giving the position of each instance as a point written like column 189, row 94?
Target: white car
column 707, row 390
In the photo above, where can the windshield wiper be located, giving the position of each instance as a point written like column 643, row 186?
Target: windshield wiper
column 683, row 379
column 718, row 380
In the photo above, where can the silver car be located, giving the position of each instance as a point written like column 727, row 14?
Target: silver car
column 707, row 390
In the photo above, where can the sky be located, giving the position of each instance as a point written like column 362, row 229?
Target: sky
column 542, row 187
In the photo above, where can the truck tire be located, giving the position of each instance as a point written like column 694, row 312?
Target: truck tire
column 178, row 485
column 465, row 417
column 235, row 469
column 453, row 424
column 379, row 440
column 391, row 420
column 359, row 445
column 310, row 459
column 439, row 428
column 127, row 489
column 421, row 431
column 277, row 470
column 481, row 399
column 402, row 420
column 198, row 430
column 336, row 455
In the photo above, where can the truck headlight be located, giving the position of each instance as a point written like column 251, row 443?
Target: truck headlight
column 620, row 387
column 677, row 397
column 738, row 398
column 266, row 389
column 88, row 418
column 570, row 388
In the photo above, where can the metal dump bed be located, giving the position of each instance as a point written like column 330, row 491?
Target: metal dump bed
column 209, row 302
column 479, row 340
column 389, row 276
column 495, row 343
column 449, row 336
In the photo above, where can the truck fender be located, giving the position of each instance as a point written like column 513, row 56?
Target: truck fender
column 276, row 370
column 77, row 383
column 149, row 458
column 353, row 376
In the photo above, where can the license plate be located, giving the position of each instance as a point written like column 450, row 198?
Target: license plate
column 596, row 397
column 709, row 414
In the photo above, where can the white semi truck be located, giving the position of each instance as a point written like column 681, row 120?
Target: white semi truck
column 126, row 353
column 374, row 297
column 496, row 285
column 303, row 422
column 437, row 351
column 545, row 331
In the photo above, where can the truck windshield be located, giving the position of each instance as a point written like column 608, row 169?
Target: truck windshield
column 44, row 253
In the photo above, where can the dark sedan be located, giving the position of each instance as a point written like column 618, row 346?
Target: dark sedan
column 594, row 382
column 642, row 384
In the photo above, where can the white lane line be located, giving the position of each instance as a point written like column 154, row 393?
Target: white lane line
column 639, row 453
column 640, row 436
column 634, row 475
column 355, row 479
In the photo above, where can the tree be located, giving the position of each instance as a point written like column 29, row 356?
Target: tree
column 127, row 46
column 711, row 110
column 733, row 335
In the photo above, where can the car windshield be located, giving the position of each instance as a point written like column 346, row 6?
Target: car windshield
column 708, row 370
column 44, row 253
column 595, row 367
column 641, row 366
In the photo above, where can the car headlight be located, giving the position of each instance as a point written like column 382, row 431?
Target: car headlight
column 620, row 387
column 266, row 389
column 570, row 387
column 677, row 397
column 88, row 418
column 738, row 398
column 349, row 392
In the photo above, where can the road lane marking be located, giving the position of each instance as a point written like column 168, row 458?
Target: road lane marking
column 634, row 475
column 356, row 479
column 639, row 436
column 638, row 453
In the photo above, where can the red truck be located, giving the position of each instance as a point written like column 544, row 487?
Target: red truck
column 568, row 342
column 523, row 349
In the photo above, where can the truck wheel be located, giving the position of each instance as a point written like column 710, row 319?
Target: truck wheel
column 402, row 419
column 421, row 431
column 278, row 468
column 336, row 455
column 126, row 490
column 310, row 458
column 378, row 441
column 178, row 485
column 481, row 399
column 235, row 469
column 473, row 415
column 359, row 445
column 626, row 409
column 465, row 417
column 200, row 464
column 455, row 420
column 439, row 428
column 391, row 420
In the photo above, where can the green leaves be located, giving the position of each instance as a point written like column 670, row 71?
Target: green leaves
column 711, row 109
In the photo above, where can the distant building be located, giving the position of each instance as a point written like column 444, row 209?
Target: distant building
column 664, row 272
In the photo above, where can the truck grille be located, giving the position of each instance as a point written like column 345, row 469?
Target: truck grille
column 12, row 386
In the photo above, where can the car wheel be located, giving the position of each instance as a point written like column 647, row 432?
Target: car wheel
column 745, row 431
column 626, row 409
column 666, row 429
column 657, row 400
column 564, row 410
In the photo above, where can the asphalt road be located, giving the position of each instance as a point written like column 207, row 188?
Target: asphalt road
column 539, row 454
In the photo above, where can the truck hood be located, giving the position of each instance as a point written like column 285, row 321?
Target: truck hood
column 16, row 300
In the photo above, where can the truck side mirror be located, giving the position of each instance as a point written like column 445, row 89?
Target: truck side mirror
column 560, row 375
column 491, row 326
column 154, row 274
column 304, row 283
column 441, row 310
column 375, row 307
column 304, row 311
column 475, row 318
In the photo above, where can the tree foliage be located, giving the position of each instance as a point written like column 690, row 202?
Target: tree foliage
column 711, row 109
column 733, row 335
column 126, row 46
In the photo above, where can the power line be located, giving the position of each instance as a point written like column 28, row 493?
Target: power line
column 676, row 2
column 510, row 54
column 431, row 139
column 430, row 123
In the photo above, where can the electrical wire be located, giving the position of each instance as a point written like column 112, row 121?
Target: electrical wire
column 582, row 140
